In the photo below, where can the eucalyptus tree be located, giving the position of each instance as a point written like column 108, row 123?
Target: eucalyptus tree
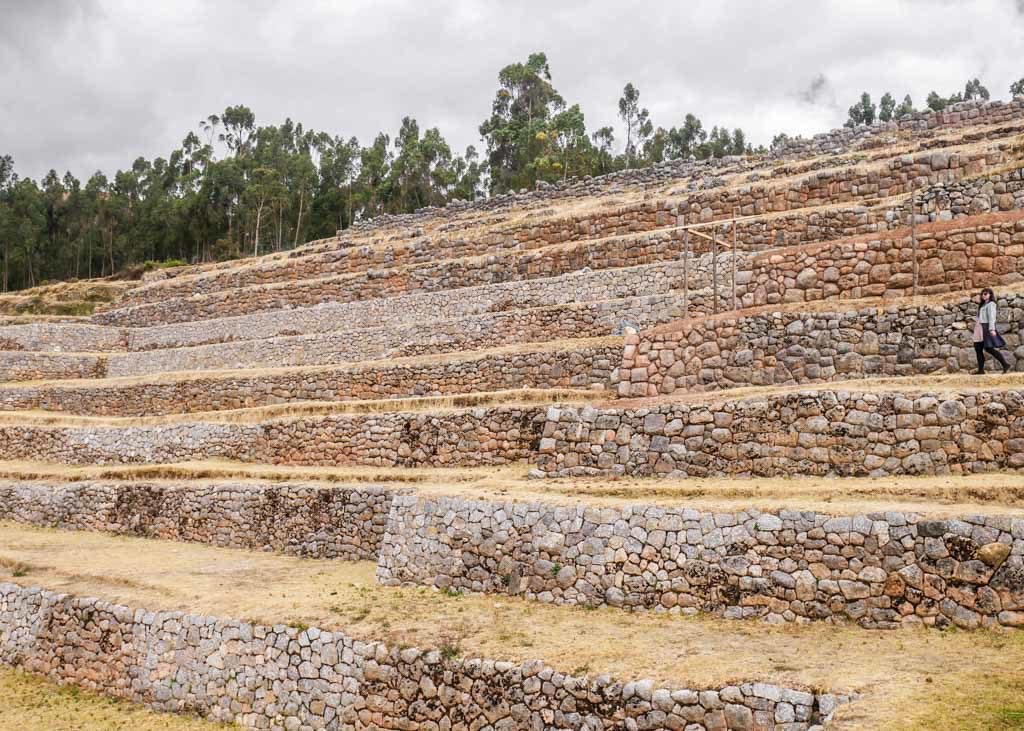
column 517, row 129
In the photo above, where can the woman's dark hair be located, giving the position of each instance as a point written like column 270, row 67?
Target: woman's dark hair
column 989, row 292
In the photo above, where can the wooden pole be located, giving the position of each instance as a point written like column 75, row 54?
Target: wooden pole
column 913, row 234
column 714, row 269
column 686, row 272
column 733, row 260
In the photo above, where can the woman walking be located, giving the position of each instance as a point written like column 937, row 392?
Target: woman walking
column 986, row 337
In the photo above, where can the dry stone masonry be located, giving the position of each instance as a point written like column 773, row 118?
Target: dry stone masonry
column 282, row 677
column 305, row 520
column 456, row 438
column 583, row 366
column 295, row 287
column 821, row 432
column 535, row 290
column 791, row 346
column 881, row 570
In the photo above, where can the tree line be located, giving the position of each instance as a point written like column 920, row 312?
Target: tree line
column 865, row 111
column 234, row 188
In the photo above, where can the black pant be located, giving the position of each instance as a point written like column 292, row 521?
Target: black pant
column 980, row 350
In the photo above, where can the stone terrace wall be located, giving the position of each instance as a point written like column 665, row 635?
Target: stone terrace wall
column 794, row 346
column 834, row 142
column 773, row 270
column 305, row 520
column 866, row 136
column 62, row 336
column 438, row 276
column 488, row 330
column 482, row 436
column 17, row 365
column 837, row 141
column 281, row 677
column 661, row 277
column 428, row 307
column 951, row 257
column 580, row 366
column 800, row 433
column 881, row 569
column 504, row 258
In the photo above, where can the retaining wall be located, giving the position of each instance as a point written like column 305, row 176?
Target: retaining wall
column 925, row 125
column 488, row 330
column 305, row 520
column 482, row 436
column 587, row 286
column 793, row 346
column 428, row 307
column 436, row 276
column 17, row 365
column 838, row 185
column 824, row 188
column 951, row 257
column 583, row 366
column 822, row 432
column 62, row 336
column 281, row 677
column 881, row 570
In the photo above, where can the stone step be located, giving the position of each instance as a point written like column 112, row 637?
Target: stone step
column 583, row 363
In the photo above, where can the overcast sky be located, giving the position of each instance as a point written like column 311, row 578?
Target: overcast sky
column 92, row 84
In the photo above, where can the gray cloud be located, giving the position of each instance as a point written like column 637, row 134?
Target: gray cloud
column 94, row 84
column 819, row 91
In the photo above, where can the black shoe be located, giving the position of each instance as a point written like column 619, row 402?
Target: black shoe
column 979, row 372
column 1006, row 367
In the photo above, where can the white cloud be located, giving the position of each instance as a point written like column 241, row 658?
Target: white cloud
column 93, row 85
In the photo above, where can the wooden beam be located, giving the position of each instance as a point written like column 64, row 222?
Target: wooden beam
column 732, row 261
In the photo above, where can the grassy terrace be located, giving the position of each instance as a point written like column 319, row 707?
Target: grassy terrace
column 28, row 702
column 910, row 678
column 298, row 409
column 944, row 496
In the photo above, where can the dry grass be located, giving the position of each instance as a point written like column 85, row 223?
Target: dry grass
column 76, row 298
column 301, row 409
column 938, row 383
column 896, row 670
column 226, row 470
column 563, row 344
column 28, row 702
column 990, row 493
